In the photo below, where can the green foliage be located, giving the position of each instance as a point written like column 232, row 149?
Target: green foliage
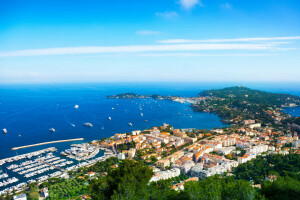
column 284, row 188
column 235, row 104
column 66, row 189
column 128, row 181
column 258, row 169
column 104, row 166
column 216, row 188
column 126, row 146
column 33, row 196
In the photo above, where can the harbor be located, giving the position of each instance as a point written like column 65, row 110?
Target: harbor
column 38, row 166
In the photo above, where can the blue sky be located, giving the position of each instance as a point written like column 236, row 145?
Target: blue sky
column 169, row 40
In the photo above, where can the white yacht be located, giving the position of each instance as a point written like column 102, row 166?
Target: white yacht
column 109, row 118
column 88, row 124
column 4, row 130
column 76, row 106
column 52, row 130
column 112, row 108
column 130, row 124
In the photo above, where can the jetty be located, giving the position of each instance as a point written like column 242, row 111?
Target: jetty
column 44, row 143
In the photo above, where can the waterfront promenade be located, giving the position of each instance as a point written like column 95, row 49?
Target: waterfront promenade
column 44, row 143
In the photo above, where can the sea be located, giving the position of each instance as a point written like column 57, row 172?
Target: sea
column 28, row 111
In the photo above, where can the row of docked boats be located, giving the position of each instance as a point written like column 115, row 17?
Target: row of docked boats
column 27, row 155
column 8, row 181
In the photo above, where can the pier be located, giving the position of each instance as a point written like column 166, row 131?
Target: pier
column 44, row 143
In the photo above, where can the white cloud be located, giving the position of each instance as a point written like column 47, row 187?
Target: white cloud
column 182, row 41
column 204, row 55
column 188, row 4
column 167, row 15
column 226, row 6
column 140, row 48
column 147, row 32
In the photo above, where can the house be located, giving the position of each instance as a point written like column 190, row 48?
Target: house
column 91, row 174
column 44, row 192
column 249, row 121
column 121, row 156
column 178, row 133
column 137, row 132
column 163, row 163
column 217, row 131
column 257, row 125
column 20, row 197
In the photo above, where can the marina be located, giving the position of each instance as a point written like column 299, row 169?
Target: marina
column 46, row 166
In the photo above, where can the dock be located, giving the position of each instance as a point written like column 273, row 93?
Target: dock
column 44, row 143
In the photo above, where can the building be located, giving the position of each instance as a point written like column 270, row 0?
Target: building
column 296, row 143
column 137, row 132
column 44, row 192
column 163, row 163
column 131, row 152
column 217, row 131
column 257, row 125
column 163, row 175
column 20, row 197
column 178, row 133
column 121, row 156
column 249, row 121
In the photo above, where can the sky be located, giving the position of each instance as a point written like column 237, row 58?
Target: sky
column 74, row 41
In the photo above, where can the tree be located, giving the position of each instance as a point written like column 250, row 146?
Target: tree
column 128, row 181
column 284, row 188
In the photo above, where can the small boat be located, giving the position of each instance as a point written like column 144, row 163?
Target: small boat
column 88, row 124
column 112, row 108
column 4, row 131
column 102, row 127
column 130, row 124
column 52, row 130
column 141, row 109
column 73, row 125
column 142, row 114
column 109, row 118
column 146, row 120
column 20, row 135
column 76, row 106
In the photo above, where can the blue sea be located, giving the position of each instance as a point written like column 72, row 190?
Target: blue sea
column 28, row 111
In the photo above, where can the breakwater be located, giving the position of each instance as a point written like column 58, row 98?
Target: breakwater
column 44, row 143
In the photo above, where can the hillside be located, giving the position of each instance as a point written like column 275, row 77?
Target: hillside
column 253, row 96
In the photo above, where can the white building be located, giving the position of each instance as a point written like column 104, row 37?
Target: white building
column 121, row 156
column 137, row 132
column 256, row 125
column 20, row 197
column 163, row 175
column 296, row 143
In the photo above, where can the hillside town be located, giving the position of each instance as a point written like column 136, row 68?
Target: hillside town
column 195, row 153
